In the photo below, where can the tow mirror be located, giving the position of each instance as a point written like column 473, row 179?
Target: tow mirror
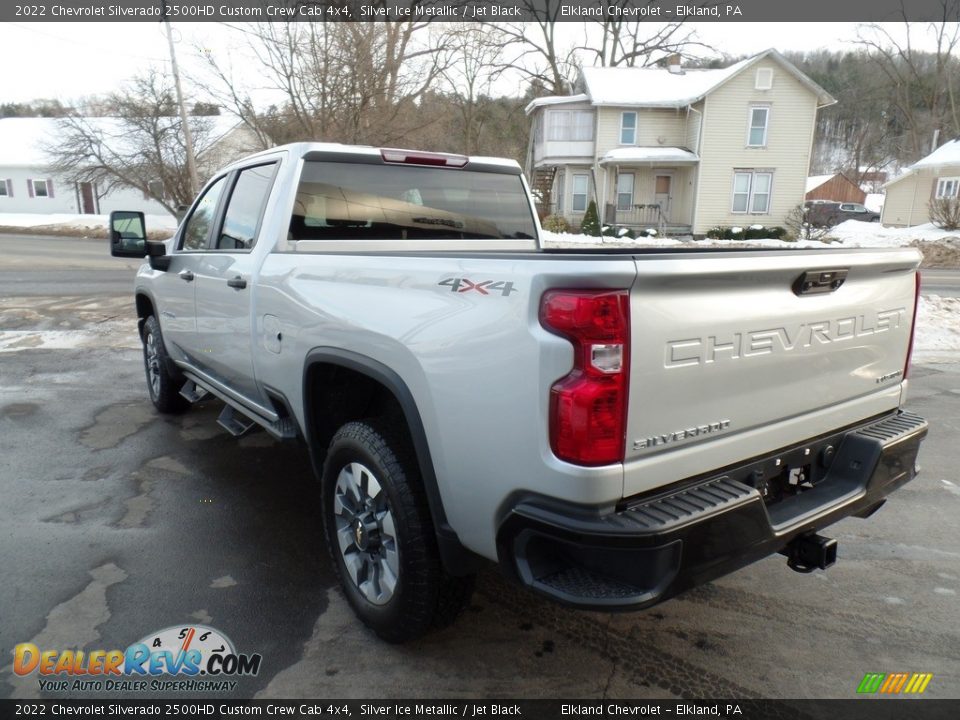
column 128, row 234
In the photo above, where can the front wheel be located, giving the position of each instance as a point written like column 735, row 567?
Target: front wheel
column 164, row 388
column 381, row 535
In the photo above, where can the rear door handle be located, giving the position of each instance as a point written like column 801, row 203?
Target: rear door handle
column 186, row 275
column 238, row 282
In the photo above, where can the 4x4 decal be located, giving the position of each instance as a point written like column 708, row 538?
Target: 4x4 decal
column 484, row 287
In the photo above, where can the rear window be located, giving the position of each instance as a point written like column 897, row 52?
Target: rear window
column 337, row 201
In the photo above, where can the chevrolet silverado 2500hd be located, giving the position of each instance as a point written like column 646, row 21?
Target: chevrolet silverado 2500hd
column 611, row 427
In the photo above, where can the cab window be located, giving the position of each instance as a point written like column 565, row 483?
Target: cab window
column 197, row 229
column 245, row 208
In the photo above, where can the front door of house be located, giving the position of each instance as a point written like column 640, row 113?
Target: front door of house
column 88, row 204
column 662, row 184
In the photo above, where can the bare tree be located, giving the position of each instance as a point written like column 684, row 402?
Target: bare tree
column 141, row 146
column 922, row 85
column 348, row 82
column 477, row 50
column 533, row 49
column 636, row 43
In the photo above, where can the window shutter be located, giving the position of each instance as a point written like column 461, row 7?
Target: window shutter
column 30, row 188
column 50, row 188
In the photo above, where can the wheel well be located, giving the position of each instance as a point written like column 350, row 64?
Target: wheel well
column 144, row 307
column 337, row 395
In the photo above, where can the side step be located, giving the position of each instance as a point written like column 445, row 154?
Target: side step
column 234, row 422
column 238, row 424
column 193, row 392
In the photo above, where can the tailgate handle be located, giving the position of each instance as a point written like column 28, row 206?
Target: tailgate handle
column 814, row 282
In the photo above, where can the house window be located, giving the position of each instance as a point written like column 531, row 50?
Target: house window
column 5, row 188
column 628, row 128
column 580, row 185
column 624, row 191
column 764, row 79
column 40, row 188
column 751, row 191
column 759, row 120
column 570, row 126
column 947, row 187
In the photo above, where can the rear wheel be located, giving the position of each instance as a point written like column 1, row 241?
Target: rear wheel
column 381, row 535
column 164, row 388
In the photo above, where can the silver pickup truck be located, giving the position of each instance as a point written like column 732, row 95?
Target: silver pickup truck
column 611, row 427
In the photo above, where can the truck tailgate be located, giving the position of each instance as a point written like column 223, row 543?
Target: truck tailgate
column 729, row 361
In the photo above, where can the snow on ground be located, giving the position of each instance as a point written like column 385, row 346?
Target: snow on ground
column 938, row 329
column 62, row 222
column 874, row 201
column 851, row 233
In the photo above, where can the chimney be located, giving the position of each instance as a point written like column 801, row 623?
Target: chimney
column 673, row 64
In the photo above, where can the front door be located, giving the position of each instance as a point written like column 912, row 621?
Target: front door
column 662, row 193
column 225, row 282
column 88, row 204
column 176, row 288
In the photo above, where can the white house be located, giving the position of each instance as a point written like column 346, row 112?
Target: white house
column 675, row 148
column 937, row 176
column 27, row 184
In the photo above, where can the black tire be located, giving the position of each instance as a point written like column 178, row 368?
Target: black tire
column 386, row 537
column 163, row 387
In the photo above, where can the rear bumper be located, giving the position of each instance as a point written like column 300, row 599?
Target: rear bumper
column 662, row 543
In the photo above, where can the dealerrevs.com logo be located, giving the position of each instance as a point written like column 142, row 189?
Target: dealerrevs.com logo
column 190, row 659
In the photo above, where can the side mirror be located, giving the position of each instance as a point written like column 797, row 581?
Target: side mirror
column 128, row 234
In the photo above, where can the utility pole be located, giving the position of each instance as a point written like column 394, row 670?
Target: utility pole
column 187, row 134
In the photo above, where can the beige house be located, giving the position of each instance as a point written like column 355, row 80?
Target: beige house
column 935, row 176
column 678, row 150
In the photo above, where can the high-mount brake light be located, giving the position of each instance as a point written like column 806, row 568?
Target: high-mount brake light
column 588, row 407
column 410, row 157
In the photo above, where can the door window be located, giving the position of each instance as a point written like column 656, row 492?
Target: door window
column 245, row 208
column 198, row 226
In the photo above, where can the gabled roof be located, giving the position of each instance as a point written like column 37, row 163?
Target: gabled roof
column 945, row 155
column 24, row 141
column 660, row 88
column 815, row 181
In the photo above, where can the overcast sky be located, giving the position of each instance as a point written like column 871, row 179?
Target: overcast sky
column 67, row 61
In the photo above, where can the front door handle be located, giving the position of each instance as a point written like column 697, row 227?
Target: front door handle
column 186, row 275
column 238, row 282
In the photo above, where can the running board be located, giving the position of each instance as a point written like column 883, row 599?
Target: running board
column 234, row 422
column 193, row 392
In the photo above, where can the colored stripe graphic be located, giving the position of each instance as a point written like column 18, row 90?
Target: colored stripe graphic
column 871, row 682
column 894, row 683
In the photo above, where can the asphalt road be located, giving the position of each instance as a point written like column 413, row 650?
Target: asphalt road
column 117, row 522
column 940, row 282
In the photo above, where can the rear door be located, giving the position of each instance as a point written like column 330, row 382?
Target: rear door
column 730, row 352
column 225, row 278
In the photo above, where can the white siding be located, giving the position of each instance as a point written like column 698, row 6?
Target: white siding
column 907, row 201
column 64, row 198
column 793, row 109
column 655, row 128
column 545, row 150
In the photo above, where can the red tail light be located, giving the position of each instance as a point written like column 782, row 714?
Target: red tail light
column 588, row 407
column 913, row 326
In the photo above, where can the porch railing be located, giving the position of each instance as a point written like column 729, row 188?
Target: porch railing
column 644, row 215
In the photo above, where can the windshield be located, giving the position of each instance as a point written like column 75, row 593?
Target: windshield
column 337, row 201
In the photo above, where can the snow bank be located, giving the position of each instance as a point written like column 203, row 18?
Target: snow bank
column 938, row 329
column 64, row 221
